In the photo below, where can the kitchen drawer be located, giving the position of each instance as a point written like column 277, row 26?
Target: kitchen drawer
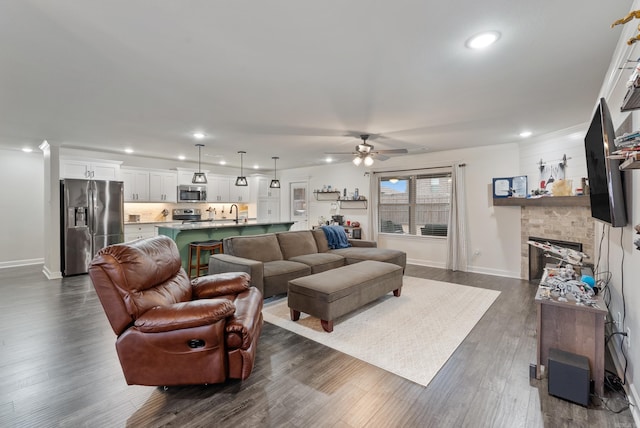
column 137, row 231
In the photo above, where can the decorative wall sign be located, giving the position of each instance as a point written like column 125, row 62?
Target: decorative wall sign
column 506, row 187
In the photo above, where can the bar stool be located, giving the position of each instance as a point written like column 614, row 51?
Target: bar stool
column 198, row 247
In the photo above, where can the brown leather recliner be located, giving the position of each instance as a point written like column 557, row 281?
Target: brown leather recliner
column 172, row 331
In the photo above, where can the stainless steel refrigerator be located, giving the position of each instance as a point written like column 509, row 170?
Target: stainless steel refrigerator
column 92, row 218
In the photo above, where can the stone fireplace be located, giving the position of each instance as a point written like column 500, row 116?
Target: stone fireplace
column 557, row 223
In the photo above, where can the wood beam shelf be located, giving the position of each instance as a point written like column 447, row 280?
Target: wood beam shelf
column 545, row 201
column 352, row 203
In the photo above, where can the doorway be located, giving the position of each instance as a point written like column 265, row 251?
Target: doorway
column 299, row 213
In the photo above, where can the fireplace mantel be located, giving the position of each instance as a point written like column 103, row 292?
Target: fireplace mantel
column 545, row 201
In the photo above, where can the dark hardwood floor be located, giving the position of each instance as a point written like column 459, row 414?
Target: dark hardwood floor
column 59, row 368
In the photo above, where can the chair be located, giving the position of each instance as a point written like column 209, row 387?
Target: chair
column 198, row 247
column 172, row 331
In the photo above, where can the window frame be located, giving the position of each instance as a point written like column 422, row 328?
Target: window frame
column 412, row 205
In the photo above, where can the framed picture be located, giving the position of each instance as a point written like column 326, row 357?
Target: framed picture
column 507, row 187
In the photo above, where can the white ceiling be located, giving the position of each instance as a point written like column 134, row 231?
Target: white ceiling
column 296, row 79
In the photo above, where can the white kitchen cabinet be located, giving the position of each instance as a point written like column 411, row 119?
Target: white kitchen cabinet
column 266, row 192
column 268, row 210
column 218, row 188
column 239, row 193
column 89, row 169
column 138, row 231
column 163, row 186
column 136, row 185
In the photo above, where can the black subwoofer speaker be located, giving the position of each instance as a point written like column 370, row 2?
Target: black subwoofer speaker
column 569, row 376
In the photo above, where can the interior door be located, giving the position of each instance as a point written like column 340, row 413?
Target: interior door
column 299, row 212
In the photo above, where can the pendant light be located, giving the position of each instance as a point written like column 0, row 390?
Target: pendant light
column 199, row 177
column 275, row 183
column 241, row 180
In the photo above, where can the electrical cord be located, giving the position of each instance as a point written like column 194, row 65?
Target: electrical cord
column 612, row 383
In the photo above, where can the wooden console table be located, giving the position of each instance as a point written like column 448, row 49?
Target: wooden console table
column 574, row 328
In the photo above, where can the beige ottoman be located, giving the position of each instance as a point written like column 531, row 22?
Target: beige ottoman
column 333, row 293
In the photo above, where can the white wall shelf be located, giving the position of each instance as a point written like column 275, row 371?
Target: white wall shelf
column 327, row 196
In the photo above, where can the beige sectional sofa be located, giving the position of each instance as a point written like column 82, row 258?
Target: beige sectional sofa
column 274, row 259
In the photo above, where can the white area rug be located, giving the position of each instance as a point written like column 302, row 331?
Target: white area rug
column 412, row 335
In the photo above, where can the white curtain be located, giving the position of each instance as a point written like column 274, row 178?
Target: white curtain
column 457, row 228
column 373, row 207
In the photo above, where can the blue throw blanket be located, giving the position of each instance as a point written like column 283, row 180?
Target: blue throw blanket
column 336, row 236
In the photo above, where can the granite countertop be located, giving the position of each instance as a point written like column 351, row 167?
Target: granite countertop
column 154, row 222
column 218, row 224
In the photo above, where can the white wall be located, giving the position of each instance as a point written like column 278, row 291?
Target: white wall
column 493, row 233
column 22, row 213
column 619, row 255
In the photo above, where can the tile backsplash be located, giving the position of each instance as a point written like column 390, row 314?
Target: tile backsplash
column 153, row 212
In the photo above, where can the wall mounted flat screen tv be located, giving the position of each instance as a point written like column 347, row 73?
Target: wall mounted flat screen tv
column 606, row 191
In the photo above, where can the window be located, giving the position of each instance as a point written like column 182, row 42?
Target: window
column 416, row 204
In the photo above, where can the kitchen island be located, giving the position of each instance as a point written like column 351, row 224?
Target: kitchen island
column 184, row 234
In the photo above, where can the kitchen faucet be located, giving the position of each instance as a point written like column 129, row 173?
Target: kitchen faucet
column 231, row 212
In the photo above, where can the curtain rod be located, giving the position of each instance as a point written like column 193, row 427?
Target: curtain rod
column 416, row 169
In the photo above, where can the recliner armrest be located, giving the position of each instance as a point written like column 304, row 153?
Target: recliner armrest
column 246, row 321
column 184, row 315
column 220, row 284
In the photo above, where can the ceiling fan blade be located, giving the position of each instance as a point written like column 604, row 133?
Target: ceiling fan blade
column 340, row 153
column 380, row 157
column 392, row 151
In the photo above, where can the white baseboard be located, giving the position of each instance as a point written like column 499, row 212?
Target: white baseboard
column 427, row 263
column 630, row 389
column 494, row 272
column 632, row 395
column 50, row 274
column 18, row 263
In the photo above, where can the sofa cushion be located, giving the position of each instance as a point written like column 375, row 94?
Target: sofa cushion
column 278, row 273
column 296, row 243
column 264, row 248
column 321, row 240
column 358, row 254
column 320, row 262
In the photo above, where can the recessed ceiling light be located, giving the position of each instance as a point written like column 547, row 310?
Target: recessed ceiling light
column 525, row 134
column 198, row 135
column 27, row 149
column 329, row 160
column 256, row 166
column 182, row 157
column 128, row 150
column 223, row 162
column 482, row 40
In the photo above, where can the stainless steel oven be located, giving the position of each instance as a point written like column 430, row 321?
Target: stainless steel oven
column 188, row 193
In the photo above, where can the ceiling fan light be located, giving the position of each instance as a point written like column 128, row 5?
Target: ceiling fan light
column 368, row 161
column 357, row 161
column 364, row 148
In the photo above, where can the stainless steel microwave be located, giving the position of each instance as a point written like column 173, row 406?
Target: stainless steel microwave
column 192, row 193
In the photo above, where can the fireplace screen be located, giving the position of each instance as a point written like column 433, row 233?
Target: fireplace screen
column 538, row 260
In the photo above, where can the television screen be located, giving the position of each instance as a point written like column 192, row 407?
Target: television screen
column 605, row 178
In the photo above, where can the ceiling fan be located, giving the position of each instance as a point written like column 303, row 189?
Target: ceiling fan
column 364, row 152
